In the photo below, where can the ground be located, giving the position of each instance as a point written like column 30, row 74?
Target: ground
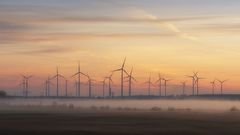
column 68, row 121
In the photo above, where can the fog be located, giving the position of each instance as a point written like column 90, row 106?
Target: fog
column 220, row 105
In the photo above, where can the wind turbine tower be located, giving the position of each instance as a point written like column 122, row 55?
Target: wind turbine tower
column 57, row 79
column 183, row 87
column 159, row 81
column 130, row 78
column 221, row 85
column 78, row 74
column 66, row 87
column 213, row 86
column 165, row 86
column 122, row 70
column 149, row 85
column 193, row 82
column 26, row 78
column 90, row 80
column 110, row 81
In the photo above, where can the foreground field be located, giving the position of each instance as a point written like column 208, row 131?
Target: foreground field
column 68, row 121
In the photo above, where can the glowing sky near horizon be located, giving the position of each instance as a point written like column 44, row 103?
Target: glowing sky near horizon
column 173, row 37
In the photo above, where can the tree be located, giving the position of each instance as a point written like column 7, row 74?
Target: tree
column 3, row 93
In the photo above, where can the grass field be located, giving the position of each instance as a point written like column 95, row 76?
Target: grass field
column 25, row 120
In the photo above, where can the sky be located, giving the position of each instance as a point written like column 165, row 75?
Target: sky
column 171, row 37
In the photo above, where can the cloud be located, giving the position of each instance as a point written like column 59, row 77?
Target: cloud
column 19, row 27
column 45, row 50
column 221, row 27
column 164, row 24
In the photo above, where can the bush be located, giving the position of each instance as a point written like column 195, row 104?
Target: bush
column 156, row 109
column 3, row 93
column 54, row 104
column 170, row 109
column 71, row 106
column 104, row 107
column 234, row 109
column 119, row 108
column 93, row 107
column 127, row 109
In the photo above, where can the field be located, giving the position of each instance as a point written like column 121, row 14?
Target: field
column 59, row 120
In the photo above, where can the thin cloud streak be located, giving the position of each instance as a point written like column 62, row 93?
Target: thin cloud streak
column 168, row 25
column 46, row 37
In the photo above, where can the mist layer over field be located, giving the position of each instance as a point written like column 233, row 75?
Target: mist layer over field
column 214, row 105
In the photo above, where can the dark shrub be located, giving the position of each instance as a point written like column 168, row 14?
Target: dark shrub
column 3, row 93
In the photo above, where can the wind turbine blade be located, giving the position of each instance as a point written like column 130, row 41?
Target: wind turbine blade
column 75, row 74
column 61, row 76
column 225, row 80
column 117, row 70
column 124, row 62
column 83, row 73
column 189, row 76
column 145, row 82
column 157, row 81
column 23, row 75
column 131, row 71
column 54, row 77
column 134, row 79
column 125, row 72
column 29, row 76
column 195, row 73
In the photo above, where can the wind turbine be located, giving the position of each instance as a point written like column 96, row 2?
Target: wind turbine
column 57, row 77
column 46, row 88
column 197, row 83
column 103, row 87
column 159, row 81
column 23, row 84
column 165, row 85
column 66, row 87
column 26, row 78
column 90, row 80
column 221, row 85
column 183, row 87
column 47, row 85
column 193, row 81
column 122, row 70
column 79, row 73
column 213, row 86
column 149, row 85
column 130, row 78
column 76, row 87
column 110, row 81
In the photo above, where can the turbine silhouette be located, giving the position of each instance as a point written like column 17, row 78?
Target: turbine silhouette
column 26, row 78
column 221, row 85
column 149, row 83
column 193, row 77
column 57, row 79
column 197, row 82
column 90, row 80
column 122, row 70
column 79, row 73
column 130, row 78
column 159, row 81
column 183, row 87
column 103, row 87
column 213, row 86
column 165, row 85
column 110, row 81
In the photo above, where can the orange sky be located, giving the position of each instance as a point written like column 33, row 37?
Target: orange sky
column 35, row 38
